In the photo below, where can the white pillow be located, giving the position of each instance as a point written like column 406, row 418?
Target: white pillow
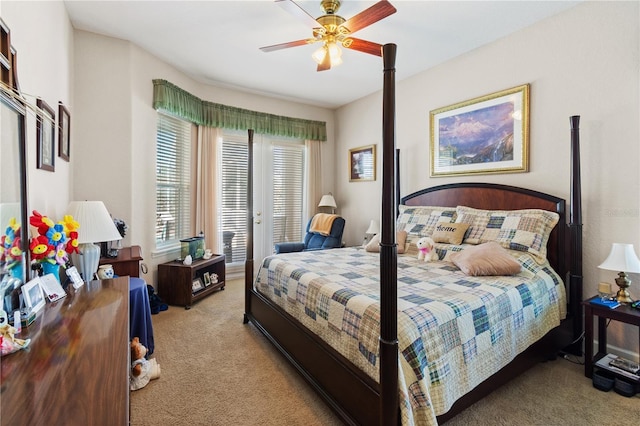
column 374, row 245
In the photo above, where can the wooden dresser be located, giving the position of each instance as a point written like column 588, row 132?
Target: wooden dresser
column 76, row 370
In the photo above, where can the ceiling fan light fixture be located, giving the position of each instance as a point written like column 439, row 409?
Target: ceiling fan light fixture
column 335, row 54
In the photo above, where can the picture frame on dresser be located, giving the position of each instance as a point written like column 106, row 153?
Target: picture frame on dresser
column 33, row 295
column 484, row 135
column 207, row 279
column 197, row 285
column 45, row 136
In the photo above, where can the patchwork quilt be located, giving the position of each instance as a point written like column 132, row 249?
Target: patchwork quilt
column 454, row 330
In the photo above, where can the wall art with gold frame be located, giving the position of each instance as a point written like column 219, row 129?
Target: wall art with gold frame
column 362, row 164
column 488, row 134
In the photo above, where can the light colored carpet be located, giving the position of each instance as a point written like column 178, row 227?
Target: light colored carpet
column 218, row 371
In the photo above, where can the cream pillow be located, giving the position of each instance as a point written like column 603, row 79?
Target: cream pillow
column 450, row 233
column 486, row 259
column 374, row 245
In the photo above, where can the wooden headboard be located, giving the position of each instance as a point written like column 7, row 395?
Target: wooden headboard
column 490, row 196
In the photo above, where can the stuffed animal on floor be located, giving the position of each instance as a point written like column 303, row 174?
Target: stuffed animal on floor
column 426, row 249
column 142, row 369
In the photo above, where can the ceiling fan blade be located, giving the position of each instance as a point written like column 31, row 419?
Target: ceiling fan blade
column 378, row 11
column 325, row 64
column 363, row 46
column 297, row 11
column 285, row 45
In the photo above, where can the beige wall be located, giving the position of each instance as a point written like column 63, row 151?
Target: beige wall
column 581, row 62
column 43, row 38
column 107, row 85
column 122, row 129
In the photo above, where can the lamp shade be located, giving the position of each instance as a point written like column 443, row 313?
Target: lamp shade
column 96, row 225
column 327, row 201
column 373, row 228
column 621, row 258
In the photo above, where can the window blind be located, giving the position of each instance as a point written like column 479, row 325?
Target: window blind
column 287, row 166
column 173, row 180
column 288, row 184
column 233, row 219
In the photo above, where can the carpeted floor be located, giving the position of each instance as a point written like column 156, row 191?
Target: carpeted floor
column 218, row 371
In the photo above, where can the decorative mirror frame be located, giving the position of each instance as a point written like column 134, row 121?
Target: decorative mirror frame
column 10, row 97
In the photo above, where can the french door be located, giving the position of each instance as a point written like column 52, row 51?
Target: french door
column 278, row 194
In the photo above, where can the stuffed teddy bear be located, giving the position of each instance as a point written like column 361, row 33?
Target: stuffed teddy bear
column 142, row 369
column 427, row 250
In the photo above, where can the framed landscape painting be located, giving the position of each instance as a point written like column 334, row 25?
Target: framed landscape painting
column 489, row 134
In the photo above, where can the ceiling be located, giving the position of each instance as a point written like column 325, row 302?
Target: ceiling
column 217, row 42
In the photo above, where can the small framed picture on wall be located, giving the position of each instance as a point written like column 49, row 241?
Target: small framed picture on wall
column 64, row 132
column 362, row 163
column 46, row 136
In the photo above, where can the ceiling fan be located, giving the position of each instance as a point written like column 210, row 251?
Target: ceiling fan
column 335, row 31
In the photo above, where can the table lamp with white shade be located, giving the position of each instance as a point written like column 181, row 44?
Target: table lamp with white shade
column 328, row 201
column 622, row 258
column 96, row 226
column 371, row 231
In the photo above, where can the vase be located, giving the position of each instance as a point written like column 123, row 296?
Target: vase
column 17, row 272
column 51, row 268
column 105, row 272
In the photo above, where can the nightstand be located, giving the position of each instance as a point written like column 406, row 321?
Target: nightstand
column 623, row 313
column 127, row 262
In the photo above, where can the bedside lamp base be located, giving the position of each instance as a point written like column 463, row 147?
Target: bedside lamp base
column 623, row 295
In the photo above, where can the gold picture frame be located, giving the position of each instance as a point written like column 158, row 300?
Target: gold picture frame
column 362, row 164
column 488, row 134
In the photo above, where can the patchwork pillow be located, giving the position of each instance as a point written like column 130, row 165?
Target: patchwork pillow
column 422, row 220
column 374, row 245
column 450, row 233
column 486, row 259
column 523, row 230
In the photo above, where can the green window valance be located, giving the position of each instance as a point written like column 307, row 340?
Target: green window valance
column 170, row 98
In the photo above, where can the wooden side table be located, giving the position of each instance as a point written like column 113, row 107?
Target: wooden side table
column 176, row 281
column 623, row 313
column 127, row 262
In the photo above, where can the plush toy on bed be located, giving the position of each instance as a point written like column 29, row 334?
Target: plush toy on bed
column 142, row 369
column 427, row 249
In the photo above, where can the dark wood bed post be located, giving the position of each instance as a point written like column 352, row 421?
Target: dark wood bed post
column 389, row 398
column 398, row 196
column 575, row 236
column 248, row 265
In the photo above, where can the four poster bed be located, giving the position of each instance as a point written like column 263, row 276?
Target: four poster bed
column 385, row 338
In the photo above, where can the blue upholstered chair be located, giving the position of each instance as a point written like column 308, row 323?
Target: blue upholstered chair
column 315, row 240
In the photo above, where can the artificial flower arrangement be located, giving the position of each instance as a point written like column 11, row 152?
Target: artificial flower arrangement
column 10, row 249
column 52, row 246
column 55, row 241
